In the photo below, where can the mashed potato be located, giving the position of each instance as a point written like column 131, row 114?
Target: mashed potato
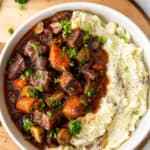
column 126, row 99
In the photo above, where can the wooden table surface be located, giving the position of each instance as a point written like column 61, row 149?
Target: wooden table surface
column 12, row 16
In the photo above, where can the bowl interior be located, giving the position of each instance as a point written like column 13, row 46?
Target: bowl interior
column 109, row 15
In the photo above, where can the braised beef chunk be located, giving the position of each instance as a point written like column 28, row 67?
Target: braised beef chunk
column 17, row 67
column 55, row 76
column 93, row 44
column 63, row 15
column 56, row 27
column 69, row 83
column 46, row 121
column 75, row 40
column 33, row 47
column 41, row 78
column 41, row 62
column 88, row 73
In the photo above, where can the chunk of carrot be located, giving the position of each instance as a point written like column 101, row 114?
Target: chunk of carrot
column 58, row 58
column 24, row 104
column 19, row 83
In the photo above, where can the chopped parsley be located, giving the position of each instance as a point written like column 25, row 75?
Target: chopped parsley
column 21, row 1
column 136, row 112
column 56, row 104
column 27, row 124
column 37, row 55
column 84, row 103
column 56, row 80
column 22, row 77
column 21, row 7
column 53, row 133
column 90, row 92
column 75, row 127
column 102, row 39
column 43, row 105
column 66, row 26
column 10, row 31
column 50, row 36
column 10, row 86
column 72, row 53
column 126, row 68
column 10, row 62
column 12, row 101
column 123, row 36
column 34, row 46
column 39, row 88
column 72, row 63
column 49, row 113
column 40, row 75
column 32, row 92
column 29, row 73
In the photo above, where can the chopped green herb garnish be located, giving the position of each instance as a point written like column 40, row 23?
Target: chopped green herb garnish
column 72, row 53
column 123, row 36
column 0, row 124
column 86, row 37
column 21, row 1
column 49, row 113
column 27, row 124
column 10, row 31
column 90, row 92
column 12, row 101
column 10, row 62
column 34, row 46
column 10, row 86
column 43, row 105
column 62, row 54
column 56, row 80
column 56, row 104
column 50, row 36
column 72, row 63
column 33, row 108
column 136, row 112
column 21, row 7
column 84, row 103
column 39, row 88
column 28, row 73
column 53, row 133
column 85, row 45
column 102, row 39
column 41, row 74
column 75, row 127
column 37, row 55
column 66, row 26
column 28, row 137
column 32, row 92
column 22, row 77
column 126, row 68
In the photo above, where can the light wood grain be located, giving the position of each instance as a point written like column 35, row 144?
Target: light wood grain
column 11, row 16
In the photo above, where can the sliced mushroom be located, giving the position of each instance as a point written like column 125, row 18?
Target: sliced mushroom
column 37, row 133
column 38, row 29
column 57, row 96
column 63, row 136
column 83, row 55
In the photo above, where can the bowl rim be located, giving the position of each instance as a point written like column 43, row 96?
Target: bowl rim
column 38, row 16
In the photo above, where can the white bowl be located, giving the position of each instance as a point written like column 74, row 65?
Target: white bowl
column 109, row 15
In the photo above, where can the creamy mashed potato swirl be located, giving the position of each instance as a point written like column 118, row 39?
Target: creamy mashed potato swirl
column 126, row 99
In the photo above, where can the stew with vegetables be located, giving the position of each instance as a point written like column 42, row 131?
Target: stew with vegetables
column 54, row 76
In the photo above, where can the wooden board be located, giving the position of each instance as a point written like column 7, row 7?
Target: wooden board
column 11, row 16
